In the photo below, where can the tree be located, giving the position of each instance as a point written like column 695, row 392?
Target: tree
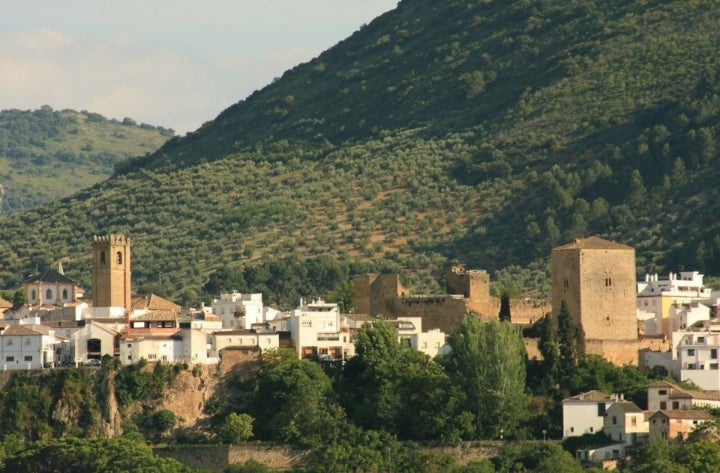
column 389, row 386
column 504, row 315
column 571, row 339
column 550, row 349
column 294, row 402
column 237, row 428
column 488, row 364
column 165, row 420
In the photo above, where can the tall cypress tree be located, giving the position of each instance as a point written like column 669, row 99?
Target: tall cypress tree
column 504, row 315
column 571, row 339
column 550, row 350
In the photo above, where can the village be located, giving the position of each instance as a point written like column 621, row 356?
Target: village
column 665, row 325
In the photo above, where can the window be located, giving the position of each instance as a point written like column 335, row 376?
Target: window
column 102, row 257
column 662, row 392
column 566, row 284
column 614, row 420
column 9, row 358
column 676, row 405
column 118, row 257
column 691, row 352
column 592, row 429
column 601, row 409
column 713, row 353
column 307, row 323
column 633, row 421
column 48, row 294
column 663, row 405
column 572, row 429
column 152, row 356
column 701, row 340
column 608, row 282
column 28, row 357
column 65, row 294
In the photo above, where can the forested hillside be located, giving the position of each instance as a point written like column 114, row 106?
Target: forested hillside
column 48, row 154
column 482, row 132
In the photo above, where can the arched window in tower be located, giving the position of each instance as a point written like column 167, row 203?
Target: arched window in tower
column 102, row 257
column 48, row 294
column 65, row 294
column 33, row 295
column 118, row 257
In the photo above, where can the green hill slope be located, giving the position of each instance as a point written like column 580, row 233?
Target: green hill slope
column 46, row 155
column 484, row 132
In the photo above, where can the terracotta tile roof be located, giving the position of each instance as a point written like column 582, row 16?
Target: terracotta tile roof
column 49, row 275
column 5, row 304
column 593, row 243
column 677, row 392
column 158, row 315
column 685, row 414
column 19, row 330
column 153, row 302
column 591, row 396
column 627, row 406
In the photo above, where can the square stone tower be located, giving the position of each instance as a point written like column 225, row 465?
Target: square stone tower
column 596, row 279
column 111, row 271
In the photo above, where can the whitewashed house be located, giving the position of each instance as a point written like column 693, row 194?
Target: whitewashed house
column 432, row 342
column 27, row 347
column 657, row 295
column 585, row 412
column 267, row 340
column 93, row 340
column 239, row 311
column 152, row 348
column 625, row 422
column 318, row 330
column 696, row 358
column 667, row 396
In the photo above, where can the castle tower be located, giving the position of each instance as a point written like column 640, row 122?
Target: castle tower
column 111, row 271
column 596, row 279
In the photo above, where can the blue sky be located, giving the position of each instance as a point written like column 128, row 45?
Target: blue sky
column 173, row 63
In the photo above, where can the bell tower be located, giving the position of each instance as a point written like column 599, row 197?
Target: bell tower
column 111, row 271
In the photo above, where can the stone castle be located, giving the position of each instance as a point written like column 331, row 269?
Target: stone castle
column 596, row 279
column 468, row 291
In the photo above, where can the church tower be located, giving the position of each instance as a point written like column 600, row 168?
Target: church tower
column 111, row 271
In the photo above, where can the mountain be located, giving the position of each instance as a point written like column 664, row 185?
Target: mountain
column 481, row 132
column 47, row 154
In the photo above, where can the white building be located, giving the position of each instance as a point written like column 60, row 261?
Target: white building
column 27, row 347
column 656, row 295
column 432, row 342
column 585, row 413
column 696, row 358
column 239, row 311
column 666, row 396
column 686, row 315
column 625, row 422
column 93, row 340
column 151, row 348
column 317, row 329
column 244, row 338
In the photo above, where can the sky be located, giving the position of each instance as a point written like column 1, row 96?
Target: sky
column 170, row 63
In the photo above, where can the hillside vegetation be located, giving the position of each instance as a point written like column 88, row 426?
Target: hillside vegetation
column 482, row 132
column 46, row 155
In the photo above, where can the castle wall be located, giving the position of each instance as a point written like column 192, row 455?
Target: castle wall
column 619, row 352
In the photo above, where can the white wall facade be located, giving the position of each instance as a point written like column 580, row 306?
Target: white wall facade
column 231, row 303
column 316, row 330
column 150, row 348
column 696, row 355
